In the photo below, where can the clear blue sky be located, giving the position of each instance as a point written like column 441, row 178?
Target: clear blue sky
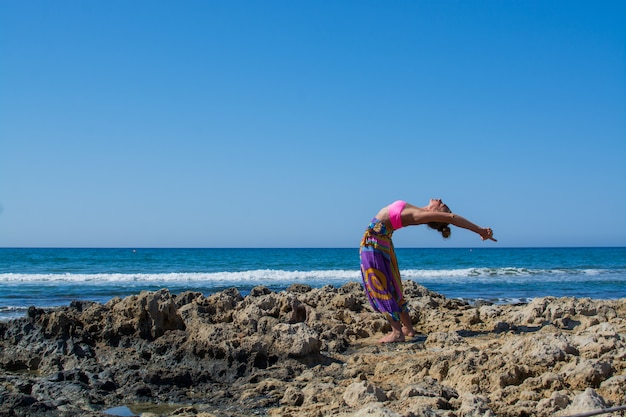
column 290, row 123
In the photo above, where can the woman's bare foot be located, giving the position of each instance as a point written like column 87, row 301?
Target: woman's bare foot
column 407, row 325
column 393, row 337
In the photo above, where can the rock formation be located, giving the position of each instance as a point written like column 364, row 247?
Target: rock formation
column 312, row 352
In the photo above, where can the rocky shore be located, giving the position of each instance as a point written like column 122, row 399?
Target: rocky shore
column 312, row 352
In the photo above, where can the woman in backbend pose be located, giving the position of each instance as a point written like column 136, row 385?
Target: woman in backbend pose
column 379, row 267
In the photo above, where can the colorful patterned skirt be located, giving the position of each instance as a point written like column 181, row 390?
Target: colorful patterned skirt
column 379, row 269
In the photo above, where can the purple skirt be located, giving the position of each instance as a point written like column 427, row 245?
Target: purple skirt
column 380, row 272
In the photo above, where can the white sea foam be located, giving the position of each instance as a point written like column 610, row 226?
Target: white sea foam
column 261, row 275
column 327, row 276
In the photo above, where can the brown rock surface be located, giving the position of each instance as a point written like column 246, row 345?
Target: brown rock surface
column 313, row 352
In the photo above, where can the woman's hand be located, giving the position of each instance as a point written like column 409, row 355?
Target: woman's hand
column 487, row 234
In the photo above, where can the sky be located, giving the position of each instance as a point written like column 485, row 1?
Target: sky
column 291, row 123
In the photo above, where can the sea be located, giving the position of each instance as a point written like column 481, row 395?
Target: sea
column 54, row 277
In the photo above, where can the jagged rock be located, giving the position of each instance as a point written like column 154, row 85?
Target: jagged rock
column 312, row 352
column 475, row 405
column 444, row 340
column 359, row 393
column 549, row 406
column 373, row 410
column 588, row 400
column 296, row 340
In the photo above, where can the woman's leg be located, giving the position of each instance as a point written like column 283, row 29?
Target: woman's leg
column 407, row 325
column 395, row 335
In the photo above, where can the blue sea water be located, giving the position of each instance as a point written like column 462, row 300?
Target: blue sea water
column 55, row 277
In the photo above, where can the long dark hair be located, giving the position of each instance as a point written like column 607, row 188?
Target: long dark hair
column 441, row 228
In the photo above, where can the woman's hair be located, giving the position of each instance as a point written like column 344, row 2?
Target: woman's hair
column 441, row 228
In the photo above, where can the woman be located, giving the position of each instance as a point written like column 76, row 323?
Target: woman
column 379, row 267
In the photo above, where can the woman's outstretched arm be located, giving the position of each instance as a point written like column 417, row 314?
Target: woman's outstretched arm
column 460, row 221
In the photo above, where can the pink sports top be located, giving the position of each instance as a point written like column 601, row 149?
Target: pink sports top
column 395, row 211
